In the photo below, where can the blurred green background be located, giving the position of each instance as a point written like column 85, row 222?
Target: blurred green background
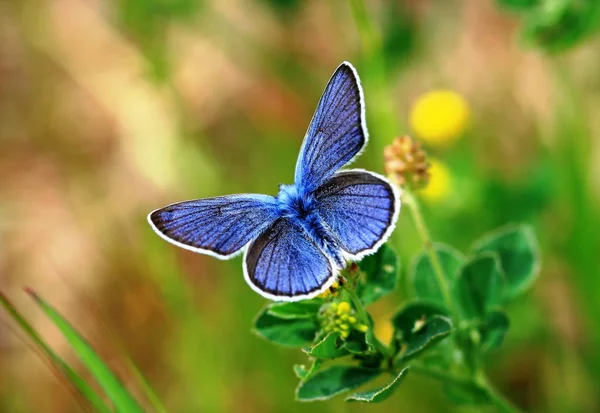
column 112, row 108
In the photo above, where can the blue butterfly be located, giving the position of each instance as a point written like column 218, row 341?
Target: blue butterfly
column 296, row 243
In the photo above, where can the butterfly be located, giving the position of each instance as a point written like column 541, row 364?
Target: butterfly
column 296, row 243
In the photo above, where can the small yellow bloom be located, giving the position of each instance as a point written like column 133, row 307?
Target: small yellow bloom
column 352, row 320
column 343, row 308
column 440, row 182
column 344, row 334
column 439, row 117
column 344, row 326
column 335, row 285
column 362, row 328
column 324, row 294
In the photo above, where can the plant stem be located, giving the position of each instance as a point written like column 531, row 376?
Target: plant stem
column 480, row 383
column 383, row 121
column 363, row 316
column 501, row 402
column 438, row 270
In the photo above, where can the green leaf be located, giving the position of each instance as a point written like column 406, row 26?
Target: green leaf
column 297, row 309
column 559, row 25
column 480, row 285
column 283, row 331
column 422, row 276
column 115, row 390
column 435, row 330
column 494, row 328
column 304, row 373
column 337, row 379
column 328, row 348
column 80, row 385
column 380, row 394
column 405, row 318
column 419, row 326
column 518, row 249
column 381, row 275
column 356, row 343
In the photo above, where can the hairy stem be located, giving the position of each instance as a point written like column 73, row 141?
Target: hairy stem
column 438, row 270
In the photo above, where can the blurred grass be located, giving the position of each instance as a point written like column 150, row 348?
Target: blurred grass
column 209, row 98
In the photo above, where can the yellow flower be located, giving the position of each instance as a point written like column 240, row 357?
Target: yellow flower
column 439, row 117
column 440, row 182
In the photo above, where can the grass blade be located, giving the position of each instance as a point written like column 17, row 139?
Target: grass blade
column 115, row 390
column 78, row 383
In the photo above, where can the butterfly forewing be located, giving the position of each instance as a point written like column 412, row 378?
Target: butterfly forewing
column 336, row 133
column 219, row 226
column 361, row 209
column 285, row 264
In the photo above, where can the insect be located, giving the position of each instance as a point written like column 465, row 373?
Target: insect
column 297, row 242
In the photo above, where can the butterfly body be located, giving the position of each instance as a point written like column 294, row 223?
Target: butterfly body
column 296, row 243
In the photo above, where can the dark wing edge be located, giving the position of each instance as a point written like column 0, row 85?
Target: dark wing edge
column 330, row 279
column 154, row 224
column 363, row 123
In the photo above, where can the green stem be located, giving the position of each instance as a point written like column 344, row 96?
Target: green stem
column 501, row 402
column 438, row 270
column 362, row 315
column 383, row 121
column 480, row 383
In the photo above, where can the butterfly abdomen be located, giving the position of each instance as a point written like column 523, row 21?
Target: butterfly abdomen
column 321, row 234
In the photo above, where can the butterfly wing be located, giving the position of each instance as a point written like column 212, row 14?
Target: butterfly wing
column 284, row 264
column 336, row 133
column 219, row 226
column 360, row 207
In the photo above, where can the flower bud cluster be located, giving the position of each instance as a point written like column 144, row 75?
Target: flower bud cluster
column 406, row 163
column 341, row 318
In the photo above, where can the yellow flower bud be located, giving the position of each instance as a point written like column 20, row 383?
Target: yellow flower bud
column 439, row 117
column 352, row 320
column 362, row 328
column 344, row 317
column 344, row 334
column 344, row 326
column 343, row 308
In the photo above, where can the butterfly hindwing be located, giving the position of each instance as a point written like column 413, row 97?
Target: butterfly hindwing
column 284, row 264
column 219, row 226
column 336, row 133
column 360, row 208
